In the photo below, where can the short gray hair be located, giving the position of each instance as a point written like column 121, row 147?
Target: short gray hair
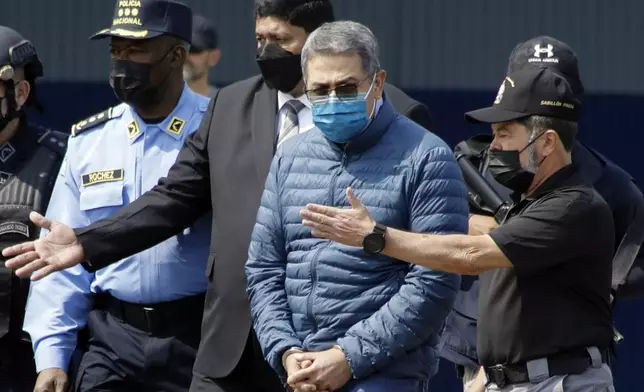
column 344, row 37
column 567, row 130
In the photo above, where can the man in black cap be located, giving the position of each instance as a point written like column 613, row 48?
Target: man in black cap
column 615, row 185
column 29, row 160
column 545, row 271
column 204, row 55
column 224, row 167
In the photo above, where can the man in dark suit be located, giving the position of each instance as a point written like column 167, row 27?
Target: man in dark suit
column 408, row 107
column 223, row 167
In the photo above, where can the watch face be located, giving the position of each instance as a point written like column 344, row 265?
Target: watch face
column 374, row 243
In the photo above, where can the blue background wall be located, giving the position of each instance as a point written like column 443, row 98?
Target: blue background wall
column 449, row 54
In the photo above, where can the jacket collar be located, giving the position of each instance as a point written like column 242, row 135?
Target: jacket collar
column 374, row 131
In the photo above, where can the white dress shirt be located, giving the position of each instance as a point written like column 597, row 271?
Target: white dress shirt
column 304, row 117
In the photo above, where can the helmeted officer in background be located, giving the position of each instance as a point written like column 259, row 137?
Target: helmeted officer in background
column 29, row 159
column 143, row 313
column 615, row 185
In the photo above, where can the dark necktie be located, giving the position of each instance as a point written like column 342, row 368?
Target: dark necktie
column 290, row 125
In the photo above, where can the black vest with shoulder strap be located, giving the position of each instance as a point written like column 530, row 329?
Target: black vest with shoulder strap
column 28, row 189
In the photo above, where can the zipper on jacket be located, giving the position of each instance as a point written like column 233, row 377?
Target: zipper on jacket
column 314, row 260
column 343, row 164
column 314, row 277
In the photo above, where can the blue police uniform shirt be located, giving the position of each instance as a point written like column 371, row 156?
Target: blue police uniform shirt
column 107, row 167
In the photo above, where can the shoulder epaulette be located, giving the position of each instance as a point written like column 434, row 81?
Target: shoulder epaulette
column 56, row 141
column 92, row 121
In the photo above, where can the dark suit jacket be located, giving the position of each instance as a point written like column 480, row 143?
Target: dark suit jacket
column 222, row 166
column 408, row 107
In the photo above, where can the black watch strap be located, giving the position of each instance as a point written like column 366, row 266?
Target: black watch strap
column 380, row 229
column 374, row 242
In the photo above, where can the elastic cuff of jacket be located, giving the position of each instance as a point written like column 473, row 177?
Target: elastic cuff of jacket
column 360, row 364
column 275, row 357
column 52, row 358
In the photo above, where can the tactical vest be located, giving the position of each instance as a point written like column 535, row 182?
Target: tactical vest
column 29, row 189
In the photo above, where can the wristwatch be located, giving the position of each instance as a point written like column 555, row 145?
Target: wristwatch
column 374, row 242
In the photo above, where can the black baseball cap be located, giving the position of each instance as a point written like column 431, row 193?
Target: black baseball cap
column 545, row 51
column 204, row 35
column 145, row 19
column 18, row 52
column 531, row 91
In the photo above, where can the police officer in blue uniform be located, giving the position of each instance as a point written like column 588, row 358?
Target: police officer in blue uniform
column 143, row 313
column 29, row 159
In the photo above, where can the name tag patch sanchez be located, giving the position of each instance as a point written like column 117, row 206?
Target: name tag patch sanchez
column 98, row 177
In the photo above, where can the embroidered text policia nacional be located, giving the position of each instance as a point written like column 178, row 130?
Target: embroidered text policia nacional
column 138, row 19
column 101, row 176
column 127, row 13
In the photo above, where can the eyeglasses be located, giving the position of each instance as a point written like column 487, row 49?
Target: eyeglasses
column 344, row 92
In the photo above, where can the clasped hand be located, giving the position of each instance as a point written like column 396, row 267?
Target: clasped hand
column 323, row 371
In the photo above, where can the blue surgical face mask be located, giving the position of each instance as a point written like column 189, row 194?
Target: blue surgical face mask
column 341, row 120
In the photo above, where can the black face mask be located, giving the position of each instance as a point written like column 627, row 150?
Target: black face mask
column 131, row 83
column 507, row 170
column 7, row 118
column 281, row 69
column 12, row 112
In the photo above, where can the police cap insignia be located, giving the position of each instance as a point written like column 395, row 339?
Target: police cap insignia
column 176, row 125
column 145, row 19
column 499, row 95
column 133, row 129
column 91, row 122
column 101, row 176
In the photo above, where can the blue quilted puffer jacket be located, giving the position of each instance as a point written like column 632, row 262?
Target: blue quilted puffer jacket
column 312, row 293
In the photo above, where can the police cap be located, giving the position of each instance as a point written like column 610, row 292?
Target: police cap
column 529, row 92
column 18, row 53
column 145, row 19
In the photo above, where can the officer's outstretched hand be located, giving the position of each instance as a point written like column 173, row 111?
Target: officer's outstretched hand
column 52, row 380
column 57, row 250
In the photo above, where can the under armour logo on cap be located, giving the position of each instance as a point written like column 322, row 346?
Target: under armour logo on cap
column 548, row 50
column 545, row 51
column 538, row 50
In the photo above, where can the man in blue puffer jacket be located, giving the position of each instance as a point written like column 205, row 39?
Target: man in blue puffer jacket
column 338, row 318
